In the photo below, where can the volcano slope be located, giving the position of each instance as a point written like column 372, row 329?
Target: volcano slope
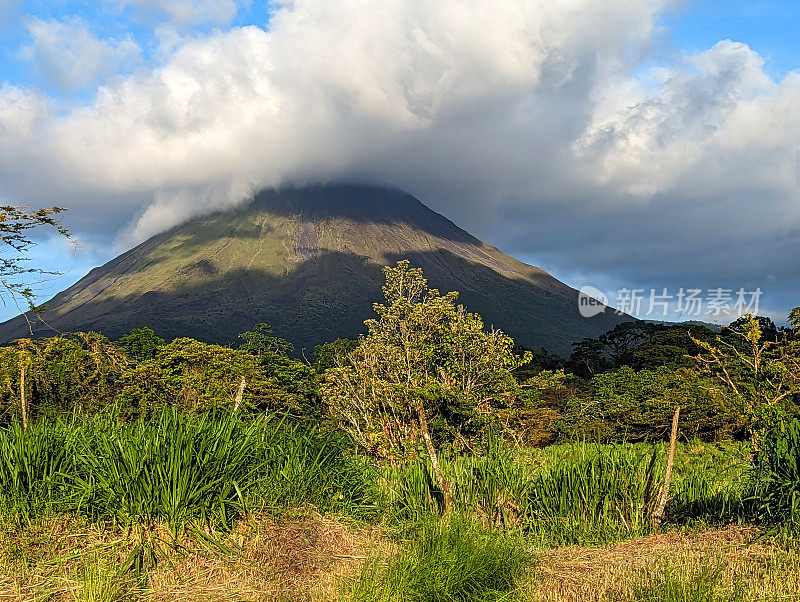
column 308, row 261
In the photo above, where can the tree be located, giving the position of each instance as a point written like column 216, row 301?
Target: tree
column 79, row 373
column 769, row 332
column 328, row 354
column 588, row 358
column 671, row 347
column 794, row 321
column 298, row 379
column 763, row 373
column 141, row 343
column 424, row 359
column 541, row 359
column 634, row 405
column 197, row 377
column 620, row 342
column 15, row 222
column 262, row 341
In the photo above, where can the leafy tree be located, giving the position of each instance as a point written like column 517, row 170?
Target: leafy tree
column 543, row 398
column 15, row 222
column 535, row 388
column 769, row 332
column 620, row 342
column 762, row 373
column 298, row 379
column 261, row 341
column 196, row 377
column 330, row 354
column 79, row 373
column 424, row 359
column 541, row 359
column 613, row 349
column 633, row 405
column 794, row 321
column 141, row 343
column 588, row 358
column 672, row 347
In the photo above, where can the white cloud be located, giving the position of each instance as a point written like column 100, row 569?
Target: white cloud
column 488, row 110
column 328, row 88
column 69, row 55
column 653, row 143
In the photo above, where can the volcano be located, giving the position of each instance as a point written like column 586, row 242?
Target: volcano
column 308, row 261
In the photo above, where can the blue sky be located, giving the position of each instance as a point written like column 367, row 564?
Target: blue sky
column 770, row 27
column 682, row 159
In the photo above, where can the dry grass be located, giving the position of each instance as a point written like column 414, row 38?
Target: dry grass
column 300, row 559
column 308, row 556
column 61, row 559
column 761, row 569
column 303, row 558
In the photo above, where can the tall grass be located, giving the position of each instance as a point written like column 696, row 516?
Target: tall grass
column 582, row 494
column 173, row 468
column 32, row 468
column 209, row 469
column 712, row 484
column 575, row 493
column 685, row 582
column 452, row 559
column 595, row 494
column 777, row 492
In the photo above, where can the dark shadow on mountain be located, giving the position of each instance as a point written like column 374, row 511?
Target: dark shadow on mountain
column 360, row 203
column 327, row 296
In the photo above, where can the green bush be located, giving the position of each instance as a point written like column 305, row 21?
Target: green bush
column 453, row 559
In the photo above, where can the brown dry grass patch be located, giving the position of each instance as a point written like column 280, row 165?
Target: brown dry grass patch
column 299, row 558
column 43, row 561
column 304, row 558
column 761, row 569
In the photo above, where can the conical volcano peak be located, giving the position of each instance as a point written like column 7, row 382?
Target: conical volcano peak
column 308, row 261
